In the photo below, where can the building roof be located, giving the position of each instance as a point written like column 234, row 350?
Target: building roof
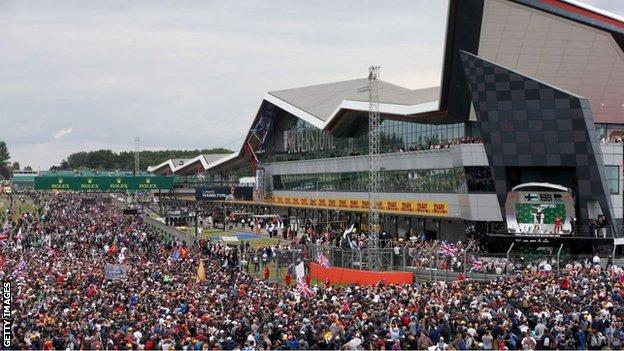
column 322, row 100
column 176, row 166
column 319, row 104
column 205, row 160
column 168, row 166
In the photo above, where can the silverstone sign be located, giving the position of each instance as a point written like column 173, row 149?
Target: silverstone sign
column 103, row 184
column 307, row 140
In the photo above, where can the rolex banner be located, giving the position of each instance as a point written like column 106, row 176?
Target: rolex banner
column 104, row 184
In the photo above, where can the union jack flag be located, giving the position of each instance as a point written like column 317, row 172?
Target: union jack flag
column 303, row 288
column 19, row 269
column 322, row 260
column 477, row 264
column 175, row 255
column 4, row 236
column 448, row 249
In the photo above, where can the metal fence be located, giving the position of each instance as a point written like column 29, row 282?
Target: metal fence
column 435, row 266
column 389, row 258
column 279, row 263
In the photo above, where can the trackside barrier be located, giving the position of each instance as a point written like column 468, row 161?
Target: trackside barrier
column 185, row 238
column 339, row 275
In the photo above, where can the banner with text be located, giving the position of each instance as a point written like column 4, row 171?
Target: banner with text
column 422, row 208
column 104, row 184
column 221, row 193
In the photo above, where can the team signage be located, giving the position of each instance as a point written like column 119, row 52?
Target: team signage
column 423, row 208
column 105, row 184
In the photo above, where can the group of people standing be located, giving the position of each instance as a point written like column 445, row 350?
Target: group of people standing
column 62, row 299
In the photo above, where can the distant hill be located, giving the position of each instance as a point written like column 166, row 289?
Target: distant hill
column 109, row 160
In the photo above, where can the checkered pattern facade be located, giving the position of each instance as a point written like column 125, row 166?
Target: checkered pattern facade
column 526, row 123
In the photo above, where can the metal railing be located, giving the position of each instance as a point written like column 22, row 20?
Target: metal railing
column 435, row 266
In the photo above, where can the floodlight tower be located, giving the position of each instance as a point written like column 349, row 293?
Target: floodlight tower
column 136, row 155
column 373, row 166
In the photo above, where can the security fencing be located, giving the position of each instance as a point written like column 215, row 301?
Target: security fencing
column 465, row 264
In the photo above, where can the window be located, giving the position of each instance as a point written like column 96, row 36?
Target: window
column 601, row 130
column 446, row 180
column 613, row 179
column 479, row 179
column 305, row 141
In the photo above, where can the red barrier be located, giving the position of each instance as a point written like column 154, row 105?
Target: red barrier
column 339, row 275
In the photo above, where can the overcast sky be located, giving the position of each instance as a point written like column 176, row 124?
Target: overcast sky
column 84, row 75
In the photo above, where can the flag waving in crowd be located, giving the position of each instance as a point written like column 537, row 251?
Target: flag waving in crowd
column 175, row 255
column 477, row 264
column 122, row 255
column 19, row 270
column 448, row 249
column 303, row 288
column 322, row 260
column 184, row 252
column 201, row 272
column 113, row 249
column 4, row 233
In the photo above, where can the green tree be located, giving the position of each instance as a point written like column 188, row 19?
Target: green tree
column 28, row 168
column 124, row 161
column 5, row 171
column 4, row 153
column 15, row 166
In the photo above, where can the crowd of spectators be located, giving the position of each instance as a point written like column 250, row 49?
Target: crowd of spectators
column 61, row 299
column 443, row 144
column 611, row 140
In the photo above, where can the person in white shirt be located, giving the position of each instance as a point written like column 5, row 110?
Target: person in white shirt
column 528, row 343
column 355, row 343
column 596, row 260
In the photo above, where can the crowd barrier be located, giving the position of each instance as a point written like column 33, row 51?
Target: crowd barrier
column 339, row 275
column 185, row 238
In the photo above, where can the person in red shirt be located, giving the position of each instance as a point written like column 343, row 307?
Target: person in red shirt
column 565, row 284
column 267, row 273
column 91, row 291
column 557, row 224
column 327, row 283
column 287, row 279
column 48, row 345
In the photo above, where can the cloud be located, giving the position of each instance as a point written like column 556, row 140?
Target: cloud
column 62, row 132
column 191, row 74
